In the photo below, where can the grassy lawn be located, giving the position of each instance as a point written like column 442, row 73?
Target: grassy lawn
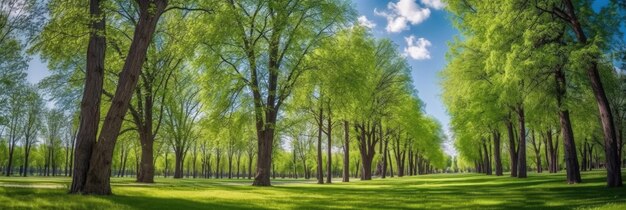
column 447, row 191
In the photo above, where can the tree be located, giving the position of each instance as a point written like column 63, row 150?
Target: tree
column 284, row 32
column 32, row 123
column 55, row 119
column 181, row 117
column 14, row 125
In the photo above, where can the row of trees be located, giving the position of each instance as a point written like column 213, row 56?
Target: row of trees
column 541, row 73
column 257, row 87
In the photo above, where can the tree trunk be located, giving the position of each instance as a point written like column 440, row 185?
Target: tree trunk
column 178, row 164
column 346, row 152
column 124, row 164
column 98, row 175
column 569, row 145
column 329, row 167
column 614, row 174
column 584, row 154
column 521, row 161
column 26, row 156
column 10, row 165
column 391, row 166
column 146, row 170
column 384, row 153
column 545, row 149
column 537, row 150
column 367, row 147
column 496, row 151
column 90, row 103
column 264, row 158
column 250, row 167
column 320, row 173
column 230, row 164
column 512, row 149
column 486, row 164
column 238, row 164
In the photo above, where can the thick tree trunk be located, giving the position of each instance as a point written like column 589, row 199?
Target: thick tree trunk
column 90, row 104
column 98, row 175
column 366, row 170
column 146, row 170
column 178, row 164
column 264, row 158
column 346, row 152
column 614, row 174
column 521, row 161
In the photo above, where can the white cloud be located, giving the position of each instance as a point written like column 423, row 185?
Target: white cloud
column 417, row 49
column 435, row 4
column 363, row 21
column 400, row 14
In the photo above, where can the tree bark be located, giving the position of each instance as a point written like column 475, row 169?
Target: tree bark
column 264, row 159
column 90, row 103
column 146, row 170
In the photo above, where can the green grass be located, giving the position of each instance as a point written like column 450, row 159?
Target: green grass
column 442, row 191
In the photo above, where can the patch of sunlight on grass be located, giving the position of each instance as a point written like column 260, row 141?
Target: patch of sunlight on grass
column 489, row 202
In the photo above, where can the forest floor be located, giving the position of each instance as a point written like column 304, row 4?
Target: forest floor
column 440, row 191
